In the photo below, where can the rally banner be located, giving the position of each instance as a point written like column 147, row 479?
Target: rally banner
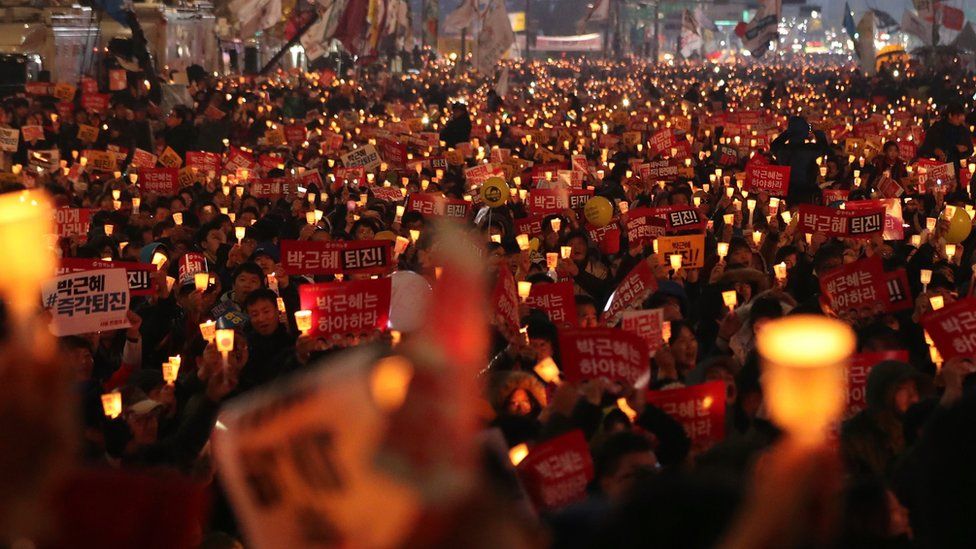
column 190, row 264
column 142, row 159
column 355, row 306
column 680, row 218
column 367, row 157
column 556, row 472
column 551, row 201
column 611, row 353
column 762, row 29
column 858, row 368
column 840, row 223
column 700, row 409
column 306, row 257
column 662, row 142
column 355, row 174
column 72, row 221
column 87, row 134
column 139, row 274
column 556, row 299
column 238, row 159
column 204, row 161
column 953, row 329
column 859, row 287
column 773, row 180
column 297, row 460
column 163, row 181
column 295, row 134
column 690, row 246
column 531, row 225
column 438, row 205
column 97, row 102
column 505, row 301
column 393, row 152
column 648, row 325
column 86, row 302
column 389, row 194
column 637, row 286
column 643, row 226
column 894, row 224
column 101, row 161
column 32, row 133
column 659, row 170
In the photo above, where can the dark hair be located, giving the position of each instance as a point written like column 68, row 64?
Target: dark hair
column 954, row 108
column 607, row 457
column 263, row 294
column 249, row 268
column 202, row 233
column 73, row 343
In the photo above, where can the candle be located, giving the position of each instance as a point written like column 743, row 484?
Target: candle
column 950, row 250
column 552, row 259
column 171, row 369
column 415, row 235
column 780, row 270
column 723, row 250
column 208, row 330
column 112, row 404
column 624, row 207
column 729, row 219
column 517, row 453
column 666, row 331
column 756, row 237
column 556, row 223
column 389, row 382
column 675, row 260
column 565, row 251
column 925, row 276
column 936, row 358
column 496, row 238
column 310, row 218
column 547, row 370
column 178, row 218
column 109, row 229
column 916, row 240
column 303, row 319
column 804, row 380
column 730, row 298
column 201, row 281
column 523, row 242
column 239, row 232
column 937, row 302
column 24, row 216
column 225, row 343
column 524, row 288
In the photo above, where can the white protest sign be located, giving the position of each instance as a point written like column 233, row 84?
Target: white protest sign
column 9, row 138
column 297, row 460
column 366, row 157
column 88, row 301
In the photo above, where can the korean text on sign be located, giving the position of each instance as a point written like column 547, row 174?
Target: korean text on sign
column 699, row 408
column 340, row 257
column 589, row 353
column 347, row 307
column 89, row 301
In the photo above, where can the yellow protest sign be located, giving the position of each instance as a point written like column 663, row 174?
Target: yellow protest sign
column 691, row 247
column 64, row 91
column 87, row 134
column 103, row 161
column 170, row 158
column 275, row 136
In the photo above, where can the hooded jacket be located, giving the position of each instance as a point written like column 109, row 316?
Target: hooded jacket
column 872, row 439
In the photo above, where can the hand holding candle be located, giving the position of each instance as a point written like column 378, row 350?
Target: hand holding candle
column 303, row 320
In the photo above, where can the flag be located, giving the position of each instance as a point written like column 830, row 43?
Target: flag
column 495, row 38
column 865, row 43
column 116, row 9
column 463, row 16
column 951, row 17
column 884, row 20
column 351, row 27
column 691, row 35
column 762, row 29
column 432, row 9
column 849, row 27
column 925, row 9
column 916, row 26
column 966, row 40
column 322, row 32
column 255, row 15
column 599, row 12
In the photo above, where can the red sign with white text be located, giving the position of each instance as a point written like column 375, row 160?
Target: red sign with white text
column 338, row 257
column 550, row 201
column 589, row 353
column 203, row 161
column 165, row 181
column 700, row 409
column 433, row 204
column 647, row 324
column 858, row 287
column 557, row 471
column 953, row 329
column 504, row 299
column 858, row 369
column 773, row 180
column 350, row 307
column 633, row 289
column 644, row 225
column 72, row 221
column 557, row 300
column 840, row 223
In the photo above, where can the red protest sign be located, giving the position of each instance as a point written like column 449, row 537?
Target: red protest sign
column 356, row 306
column 139, row 274
column 270, row 161
column 72, row 221
column 557, row 300
column 38, row 88
column 272, row 188
column 589, row 353
column 858, row 287
column 32, row 133
column 504, row 299
column 662, row 141
column 203, row 161
column 953, row 328
column 238, row 159
column 295, row 134
column 835, row 195
column 117, row 80
column 647, row 324
column 889, row 188
column 680, row 218
column 894, row 228
column 191, row 264
column 434, row 204
column 644, row 225
column 557, row 471
column 633, row 289
column 97, row 102
column 550, row 201
column 899, row 292
column 339, row 257
column 355, row 174
column 700, row 409
column 531, row 225
column 389, row 194
column 659, row 170
column 858, row 369
column 773, row 180
column 840, row 223
column 142, row 159
column 163, row 181
column 393, row 152
column 607, row 237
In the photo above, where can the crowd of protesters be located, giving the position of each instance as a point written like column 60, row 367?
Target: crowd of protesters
column 901, row 474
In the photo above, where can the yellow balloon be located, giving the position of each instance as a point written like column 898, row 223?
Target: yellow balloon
column 598, row 211
column 959, row 227
column 495, row 192
column 385, row 235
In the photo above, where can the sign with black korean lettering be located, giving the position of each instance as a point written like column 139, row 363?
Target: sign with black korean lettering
column 89, row 301
column 9, row 139
column 300, row 257
column 139, row 274
column 366, row 157
column 297, row 462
